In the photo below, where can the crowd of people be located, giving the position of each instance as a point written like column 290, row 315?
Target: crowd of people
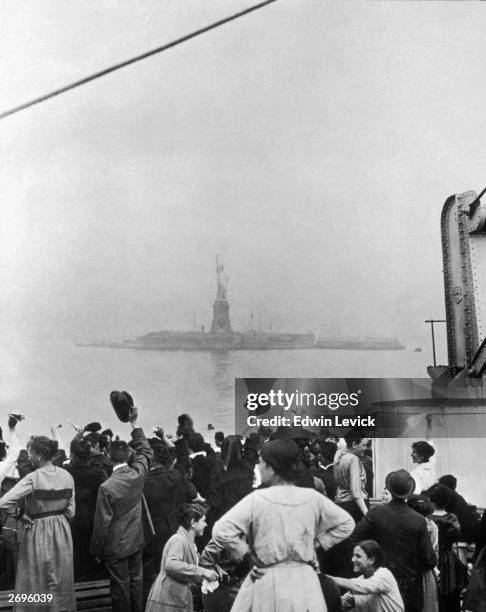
column 281, row 521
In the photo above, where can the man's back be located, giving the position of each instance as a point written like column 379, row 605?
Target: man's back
column 407, row 550
column 118, row 528
column 402, row 534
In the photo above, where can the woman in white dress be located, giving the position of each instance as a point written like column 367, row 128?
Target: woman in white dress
column 279, row 527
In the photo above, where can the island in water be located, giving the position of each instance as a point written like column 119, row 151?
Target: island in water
column 221, row 336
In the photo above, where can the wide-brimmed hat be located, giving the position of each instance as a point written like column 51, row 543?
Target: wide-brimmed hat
column 400, row 484
column 122, row 403
column 93, row 427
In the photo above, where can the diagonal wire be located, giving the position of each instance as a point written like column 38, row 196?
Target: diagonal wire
column 132, row 60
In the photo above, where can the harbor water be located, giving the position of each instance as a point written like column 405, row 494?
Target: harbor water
column 54, row 381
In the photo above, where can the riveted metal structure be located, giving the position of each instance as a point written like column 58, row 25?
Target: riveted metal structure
column 463, row 229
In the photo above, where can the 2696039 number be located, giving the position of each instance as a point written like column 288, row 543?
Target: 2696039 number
column 30, row 598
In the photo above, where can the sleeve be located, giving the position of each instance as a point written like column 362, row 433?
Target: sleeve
column 455, row 527
column 335, row 524
column 12, row 455
column 143, row 452
column 215, row 496
column 18, row 492
column 179, row 569
column 380, row 582
column 481, row 534
column 427, row 556
column 434, row 537
column 183, row 463
column 14, row 447
column 355, row 478
column 211, row 554
column 71, row 507
column 102, row 521
column 190, row 491
column 231, row 530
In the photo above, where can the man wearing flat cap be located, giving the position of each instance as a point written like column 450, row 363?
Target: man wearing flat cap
column 118, row 531
column 402, row 534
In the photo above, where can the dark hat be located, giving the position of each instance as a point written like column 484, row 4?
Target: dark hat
column 107, row 432
column 80, row 449
column 161, row 451
column 122, row 402
column 92, row 427
column 400, row 484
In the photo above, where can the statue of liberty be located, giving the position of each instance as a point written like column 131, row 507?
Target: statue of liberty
column 222, row 281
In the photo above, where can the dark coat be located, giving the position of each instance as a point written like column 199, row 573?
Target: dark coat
column 165, row 489
column 87, row 480
column 402, row 534
column 481, row 535
column 203, row 467
column 466, row 517
column 327, row 477
column 118, row 525
column 103, row 462
column 228, row 487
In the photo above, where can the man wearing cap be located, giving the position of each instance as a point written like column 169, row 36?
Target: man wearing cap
column 118, row 531
column 402, row 534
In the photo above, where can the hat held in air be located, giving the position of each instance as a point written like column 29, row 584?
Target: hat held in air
column 122, row 403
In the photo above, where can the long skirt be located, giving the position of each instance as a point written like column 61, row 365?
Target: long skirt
column 45, row 567
column 429, row 583
column 286, row 587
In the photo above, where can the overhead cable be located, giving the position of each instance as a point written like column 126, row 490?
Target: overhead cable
column 132, row 60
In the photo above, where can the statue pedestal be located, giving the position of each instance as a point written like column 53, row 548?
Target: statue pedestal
column 221, row 320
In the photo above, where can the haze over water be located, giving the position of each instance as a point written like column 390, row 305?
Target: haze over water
column 52, row 381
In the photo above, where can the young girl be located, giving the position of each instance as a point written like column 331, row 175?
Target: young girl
column 179, row 568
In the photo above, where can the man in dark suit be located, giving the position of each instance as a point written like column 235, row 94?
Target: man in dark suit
column 402, row 534
column 118, row 531
column 87, row 481
column 165, row 489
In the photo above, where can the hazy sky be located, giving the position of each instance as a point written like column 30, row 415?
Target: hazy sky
column 311, row 144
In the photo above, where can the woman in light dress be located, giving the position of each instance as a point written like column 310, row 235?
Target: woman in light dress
column 45, row 562
column 375, row 590
column 278, row 527
column 179, row 569
column 424, row 474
